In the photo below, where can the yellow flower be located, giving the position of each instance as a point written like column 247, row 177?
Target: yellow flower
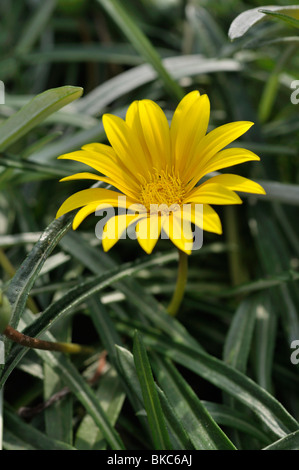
column 153, row 165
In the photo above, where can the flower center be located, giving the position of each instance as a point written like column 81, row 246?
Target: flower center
column 162, row 189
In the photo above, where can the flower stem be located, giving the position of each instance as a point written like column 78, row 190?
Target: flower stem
column 35, row 343
column 180, row 284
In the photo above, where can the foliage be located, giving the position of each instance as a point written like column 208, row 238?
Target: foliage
column 219, row 376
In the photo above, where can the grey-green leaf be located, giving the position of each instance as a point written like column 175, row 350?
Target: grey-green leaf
column 36, row 111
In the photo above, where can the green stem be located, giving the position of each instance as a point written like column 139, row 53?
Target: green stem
column 180, row 284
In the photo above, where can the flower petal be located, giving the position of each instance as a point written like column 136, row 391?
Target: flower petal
column 212, row 193
column 133, row 121
column 150, row 124
column 93, row 195
column 236, row 183
column 115, row 227
column 155, row 129
column 108, row 167
column 101, row 150
column 214, row 141
column 85, row 212
column 188, row 127
column 177, row 232
column 204, row 216
column 222, row 159
column 125, row 143
column 148, row 231
column 86, row 176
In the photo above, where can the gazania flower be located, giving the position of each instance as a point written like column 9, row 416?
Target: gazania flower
column 152, row 164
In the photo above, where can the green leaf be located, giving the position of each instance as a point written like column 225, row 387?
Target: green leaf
column 103, row 53
column 265, row 340
column 50, row 171
column 289, row 19
column 19, row 287
column 152, row 403
column 111, row 397
column 30, row 435
column 84, row 393
column 239, row 336
column 127, row 370
column 73, row 298
column 35, row 26
column 97, row 261
column 289, row 442
column 227, row 416
column 202, row 430
column 58, row 416
column 179, row 67
column 249, row 18
column 141, row 43
column 104, row 327
column 270, row 411
column 179, row 436
column 5, row 311
column 275, row 257
column 35, row 112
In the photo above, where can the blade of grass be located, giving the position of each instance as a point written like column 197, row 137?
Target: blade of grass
column 291, row 18
column 84, row 393
column 151, row 400
column 35, row 26
column 289, row 442
column 265, row 339
column 243, row 22
column 59, row 416
column 202, row 430
column 30, row 434
column 141, row 43
column 66, row 303
column 269, row 410
column 226, row 416
column 40, row 107
column 239, row 336
column 127, row 370
column 111, row 396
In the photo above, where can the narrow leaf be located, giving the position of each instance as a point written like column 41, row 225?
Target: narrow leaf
column 35, row 112
column 150, row 396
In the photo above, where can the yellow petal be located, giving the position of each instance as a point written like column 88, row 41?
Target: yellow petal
column 107, row 206
column 86, row 175
column 188, row 127
column 85, row 212
column 222, row 159
column 121, row 180
column 204, row 216
column 182, row 110
column 173, row 227
column 214, row 141
column 100, row 151
column 236, row 183
column 148, row 231
column 211, row 220
column 125, row 144
column 115, row 227
column 133, row 121
column 212, row 193
column 155, row 130
column 92, row 195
